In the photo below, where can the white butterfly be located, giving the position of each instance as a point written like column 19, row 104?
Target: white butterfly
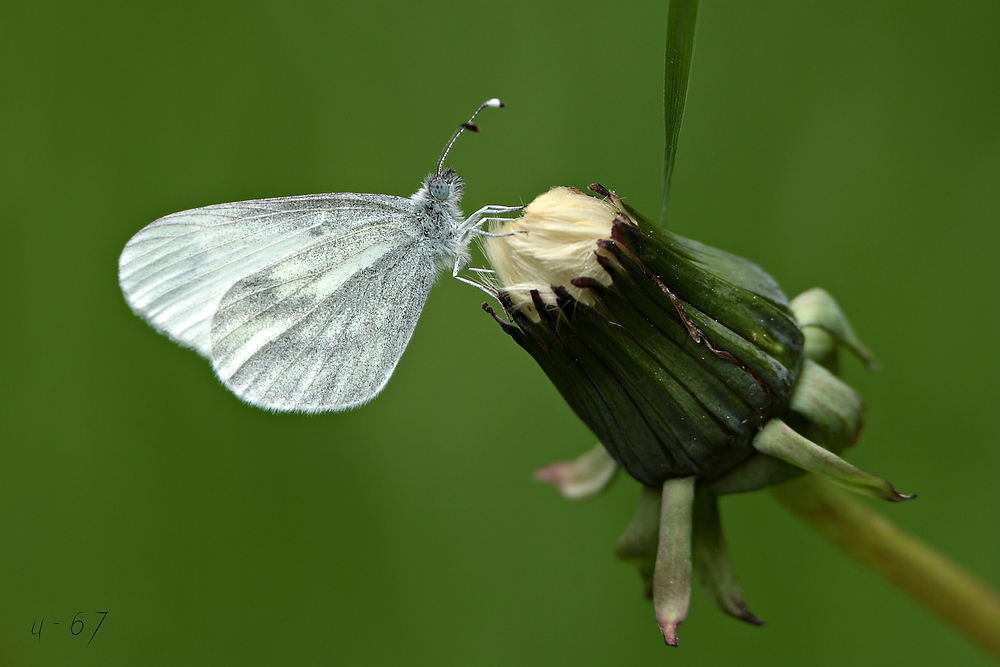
column 302, row 303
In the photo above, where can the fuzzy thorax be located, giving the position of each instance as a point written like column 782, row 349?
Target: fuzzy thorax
column 553, row 242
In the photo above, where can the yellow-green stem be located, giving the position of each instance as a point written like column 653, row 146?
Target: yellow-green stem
column 933, row 579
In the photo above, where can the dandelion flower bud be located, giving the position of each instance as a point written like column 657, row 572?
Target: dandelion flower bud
column 690, row 365
column 672, row 352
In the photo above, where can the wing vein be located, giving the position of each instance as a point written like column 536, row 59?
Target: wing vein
column 296, row 253
column 330, row 354
column 244, row 237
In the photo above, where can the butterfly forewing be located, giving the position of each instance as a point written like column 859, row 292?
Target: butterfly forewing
column 175, row 271
column 297, row 337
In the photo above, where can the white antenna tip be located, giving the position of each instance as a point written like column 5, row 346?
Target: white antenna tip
column 494, row 102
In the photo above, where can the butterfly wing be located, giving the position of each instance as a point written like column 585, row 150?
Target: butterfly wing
column 175, row 271
column 323, row 328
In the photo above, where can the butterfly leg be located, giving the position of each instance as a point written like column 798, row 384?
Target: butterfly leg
column 458, row 267
column 472, row 226
column 476, row 220
column 476, row 230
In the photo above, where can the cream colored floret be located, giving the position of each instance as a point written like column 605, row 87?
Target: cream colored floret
column 554, row 241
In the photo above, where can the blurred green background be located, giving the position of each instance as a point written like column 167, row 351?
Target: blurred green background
column 852, row 145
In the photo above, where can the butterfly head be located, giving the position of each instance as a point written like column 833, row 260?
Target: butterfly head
column 445, row 186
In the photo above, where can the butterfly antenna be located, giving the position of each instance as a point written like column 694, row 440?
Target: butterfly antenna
column 467, row 125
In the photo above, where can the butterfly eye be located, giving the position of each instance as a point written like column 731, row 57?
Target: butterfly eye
column 440, row 189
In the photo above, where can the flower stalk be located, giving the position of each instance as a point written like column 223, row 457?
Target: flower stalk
column 934, row 580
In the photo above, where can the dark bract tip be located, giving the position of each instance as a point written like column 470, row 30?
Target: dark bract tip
column 599, row 189
column 585, row 282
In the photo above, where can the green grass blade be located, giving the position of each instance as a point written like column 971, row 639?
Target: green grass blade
column 681, row 19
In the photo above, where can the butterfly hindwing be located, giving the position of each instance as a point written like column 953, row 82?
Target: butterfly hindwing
column 294, row 337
